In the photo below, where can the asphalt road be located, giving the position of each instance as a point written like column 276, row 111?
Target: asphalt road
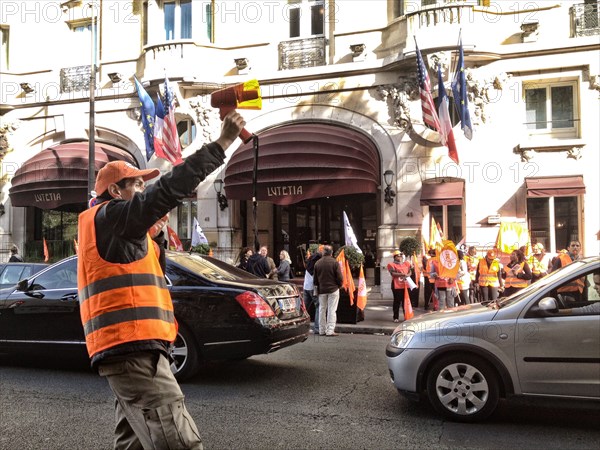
column 329, row 393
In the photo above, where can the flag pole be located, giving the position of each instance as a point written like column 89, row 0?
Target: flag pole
column 92, row 125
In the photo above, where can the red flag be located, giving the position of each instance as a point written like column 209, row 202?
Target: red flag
column 430, row 116
column 174, row 242
column 446, row 132
column 362, row 290
column 408, row 311
column 46, row 253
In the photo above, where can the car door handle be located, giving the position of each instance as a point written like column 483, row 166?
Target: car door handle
column 67, row 297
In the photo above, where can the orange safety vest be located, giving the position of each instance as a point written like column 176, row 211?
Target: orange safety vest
column 489, row 276
column 575, row 285
column 440, row 282
column 120, row 303
column 428, row 269
column 513, row 280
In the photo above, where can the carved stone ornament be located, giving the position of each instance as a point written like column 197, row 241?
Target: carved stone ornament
column 479, row 90
column 595, row 82
column 399, row 96
column 6, row 130
column 208, row 122
column 526, row 153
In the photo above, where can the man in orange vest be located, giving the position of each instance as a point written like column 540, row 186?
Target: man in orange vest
column 125, row 307
column 489, row 276
column 575, row 288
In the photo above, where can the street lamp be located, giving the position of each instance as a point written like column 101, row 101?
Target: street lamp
column 218, row 185
column 388, row 177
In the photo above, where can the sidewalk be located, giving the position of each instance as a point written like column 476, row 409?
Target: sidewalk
column 378, row 319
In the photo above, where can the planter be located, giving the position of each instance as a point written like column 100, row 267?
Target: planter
column 347, row 313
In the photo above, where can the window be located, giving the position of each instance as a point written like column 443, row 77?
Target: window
column 185, row 219
column 306, row 18
column 186, row 129
column 551, row 108
column 450, row 219
column 177, row 19
column 553, row 221
column 4, row 47
column 63, row 276
column 397, row 8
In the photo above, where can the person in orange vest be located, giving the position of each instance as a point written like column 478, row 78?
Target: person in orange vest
column 489, row 276
column 445, row 287
column 399, row 270
column 574, row 289
column 428, row 280
column 516, row 274
column 125, row 306
column 472, row 261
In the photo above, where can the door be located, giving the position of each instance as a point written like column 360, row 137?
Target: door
column 47, row 311
column 560, row 355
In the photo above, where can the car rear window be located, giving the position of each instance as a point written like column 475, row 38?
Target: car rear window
column 209, row 268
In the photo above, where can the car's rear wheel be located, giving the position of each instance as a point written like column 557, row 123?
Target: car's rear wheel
column 463, row 388
column 186, row 358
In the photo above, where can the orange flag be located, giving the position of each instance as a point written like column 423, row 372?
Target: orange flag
column 408, row 311
column 362, row 290
column 46, row 254
column 350, row 283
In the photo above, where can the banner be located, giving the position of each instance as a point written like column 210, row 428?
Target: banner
column 448, row 258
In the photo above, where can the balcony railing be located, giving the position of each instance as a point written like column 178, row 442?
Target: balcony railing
column 75, row 78
column 301, row 53
column 585, row 19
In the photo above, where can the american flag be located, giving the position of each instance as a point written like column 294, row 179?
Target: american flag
column 166, row 138
column 430, row 116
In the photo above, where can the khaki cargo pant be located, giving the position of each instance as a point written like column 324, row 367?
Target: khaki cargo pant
column 149, row 408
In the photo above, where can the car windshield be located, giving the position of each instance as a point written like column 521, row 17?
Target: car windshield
column 564, row 272
column 209, row 268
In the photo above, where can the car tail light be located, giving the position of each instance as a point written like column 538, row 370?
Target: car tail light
column 254, row 305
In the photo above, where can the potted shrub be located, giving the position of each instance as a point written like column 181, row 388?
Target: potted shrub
column 410, row 246
column 203, row 249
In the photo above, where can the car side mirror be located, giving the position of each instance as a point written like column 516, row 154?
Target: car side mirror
column 548, row 304
column 23, row 285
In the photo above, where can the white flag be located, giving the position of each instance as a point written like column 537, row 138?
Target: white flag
column 197, row 234
column 350, row 236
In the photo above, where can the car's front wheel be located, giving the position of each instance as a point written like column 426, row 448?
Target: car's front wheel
column 184, row 352
column 463, row 388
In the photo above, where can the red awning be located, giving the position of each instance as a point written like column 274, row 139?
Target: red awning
column 304, row 161
column 443, row 193
column 58, row 175
column 555, row 186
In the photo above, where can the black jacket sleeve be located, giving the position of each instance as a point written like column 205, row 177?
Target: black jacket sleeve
column 121, row 225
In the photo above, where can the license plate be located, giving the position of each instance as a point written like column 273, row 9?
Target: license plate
column 287, row 304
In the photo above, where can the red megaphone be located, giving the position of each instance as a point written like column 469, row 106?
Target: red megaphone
column 241, row 96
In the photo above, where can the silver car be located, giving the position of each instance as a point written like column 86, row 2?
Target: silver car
column 541, row 341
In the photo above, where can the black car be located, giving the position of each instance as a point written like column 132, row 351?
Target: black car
column 223, row 313
column 13, row 272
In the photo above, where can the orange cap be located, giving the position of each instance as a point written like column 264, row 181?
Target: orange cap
column 115, row 171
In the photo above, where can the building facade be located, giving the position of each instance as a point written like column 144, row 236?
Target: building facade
column 341, row 126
